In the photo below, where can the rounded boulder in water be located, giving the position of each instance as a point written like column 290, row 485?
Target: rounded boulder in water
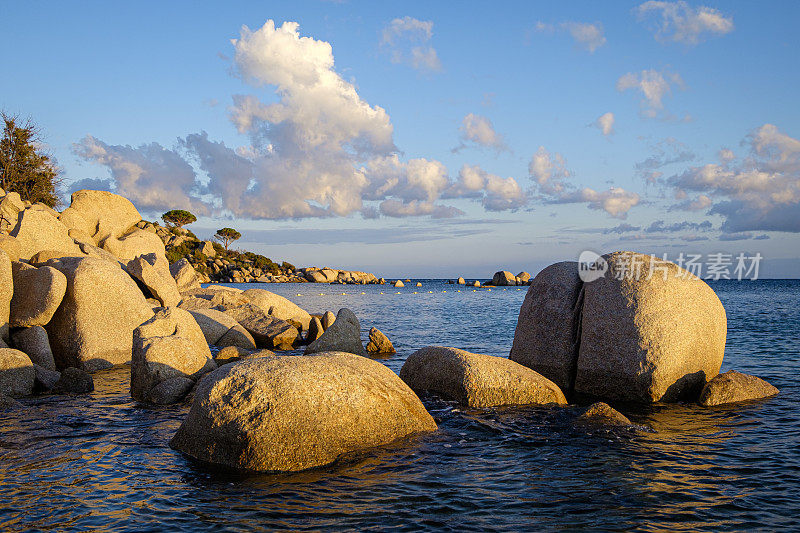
column 291, row 413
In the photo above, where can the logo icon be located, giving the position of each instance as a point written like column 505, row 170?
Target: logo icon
column 591, row 266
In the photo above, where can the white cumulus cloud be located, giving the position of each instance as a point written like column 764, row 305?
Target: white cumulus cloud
column 408, row 41
column 654, row 87
column 681, row 23
column 495, row 193
column 479, row 130
column 551, row 176
column 759, row 192
column 605, row 123
column 316, row 149
column 588, row 36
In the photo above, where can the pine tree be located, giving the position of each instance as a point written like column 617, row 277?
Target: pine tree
column 24, row 167
column 227, row 236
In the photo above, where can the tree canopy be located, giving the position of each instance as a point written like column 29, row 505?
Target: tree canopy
column 227, row 236
column 24, row 167
column 178, row 217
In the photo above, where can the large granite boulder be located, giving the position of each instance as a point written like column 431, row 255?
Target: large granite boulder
column 644, row 331
column 477, row 380
column 546, row 338
column 10, row 246
column 93, row 327
column 102, row 214
column 328, row 318
column 461, row 281
column 222, row 330
column 6, row 293
column 155, row 277
column 36, row 345
column 185, row 275
column 291, row 413
column 648, row 338
column 267, row 331
column 504, row 278
column 344, row 335
column 167, row 346
column 734, row 387
column 315, row 330
column 379, row 343
column 45, row 379
column 523, row 278
column 37, row 231
column 37, row 294
column 17, row 375
column 10, row 206
column 315, row 276
column 133, row 244
column 279, row 307
column 207, row 249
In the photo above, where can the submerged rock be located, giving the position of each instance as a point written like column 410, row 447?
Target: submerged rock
column 603, row 414
column 477, row 380
column 344, row 335
column 74, row 381
column 378, row 342
column 290, row 413
column 733, row 387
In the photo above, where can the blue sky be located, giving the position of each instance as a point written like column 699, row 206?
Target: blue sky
column 444, row 140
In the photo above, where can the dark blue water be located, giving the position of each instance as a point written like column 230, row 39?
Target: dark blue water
column 102, row 462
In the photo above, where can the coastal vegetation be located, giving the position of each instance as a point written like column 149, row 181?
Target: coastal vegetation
column 25, row 168
column 178, row 218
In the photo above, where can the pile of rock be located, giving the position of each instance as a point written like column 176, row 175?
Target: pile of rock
column 348, row 277
column 504, row 278
column 650, row 334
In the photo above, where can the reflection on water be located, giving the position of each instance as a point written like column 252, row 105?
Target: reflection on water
column 101, row 461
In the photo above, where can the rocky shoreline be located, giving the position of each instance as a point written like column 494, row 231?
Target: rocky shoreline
column 92, row 287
